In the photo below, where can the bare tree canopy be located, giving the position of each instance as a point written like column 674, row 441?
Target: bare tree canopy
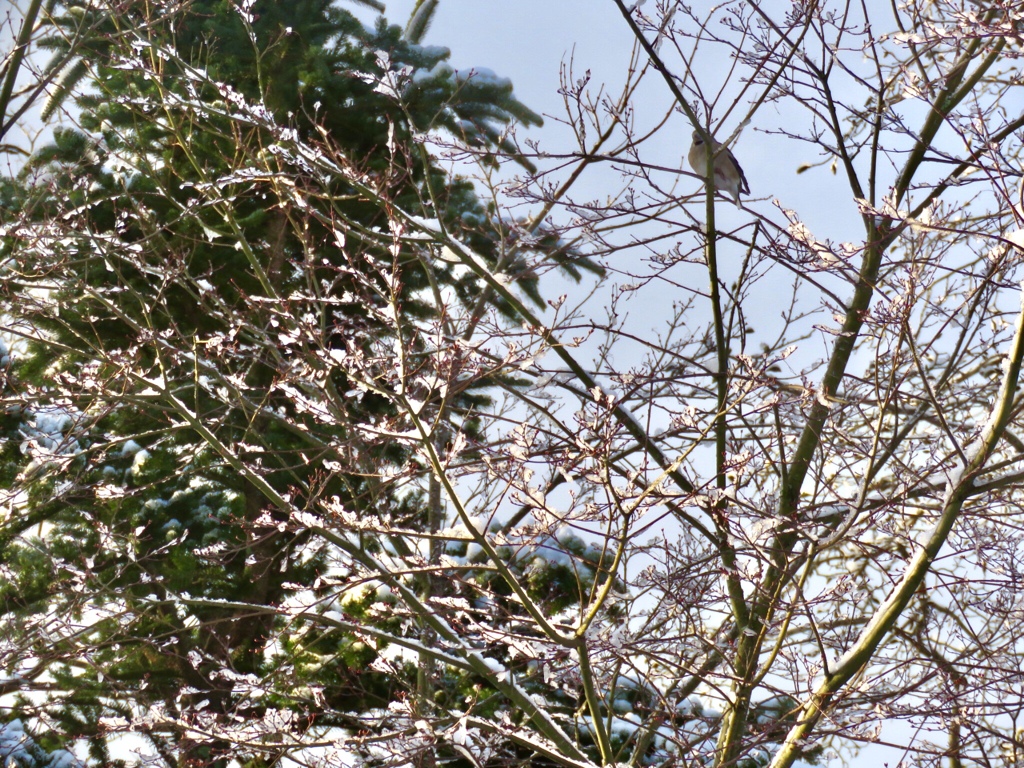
column 351, row 420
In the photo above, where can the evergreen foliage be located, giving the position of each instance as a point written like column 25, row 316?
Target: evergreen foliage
column 173, row 561
column 18, row 749
column 212, row 259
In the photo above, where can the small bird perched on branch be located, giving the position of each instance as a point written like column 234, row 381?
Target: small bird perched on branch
column 729, row 178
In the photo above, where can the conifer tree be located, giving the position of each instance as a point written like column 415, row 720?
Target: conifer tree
column 295, row 472
column 163, row 218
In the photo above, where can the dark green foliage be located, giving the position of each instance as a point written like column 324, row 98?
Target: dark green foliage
column 179, row 276
column 19, row 749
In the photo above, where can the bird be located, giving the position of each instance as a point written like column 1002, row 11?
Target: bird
column 729, row 178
